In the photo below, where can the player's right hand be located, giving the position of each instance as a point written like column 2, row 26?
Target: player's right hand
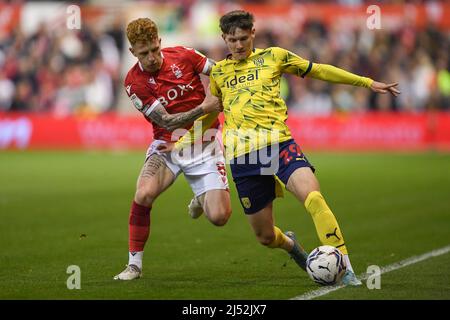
column 380, row 87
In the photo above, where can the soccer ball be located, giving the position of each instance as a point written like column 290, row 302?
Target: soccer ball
column 325, row 265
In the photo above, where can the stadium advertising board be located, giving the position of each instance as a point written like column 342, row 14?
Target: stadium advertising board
column 378, row 131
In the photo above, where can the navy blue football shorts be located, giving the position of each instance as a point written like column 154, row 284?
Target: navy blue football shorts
column 257, row 175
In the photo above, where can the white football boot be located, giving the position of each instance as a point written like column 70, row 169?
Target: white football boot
column 350, row 279
column 195, row 208
column 131, row 272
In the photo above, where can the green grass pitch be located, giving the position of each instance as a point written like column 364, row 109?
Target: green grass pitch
column 71, row 208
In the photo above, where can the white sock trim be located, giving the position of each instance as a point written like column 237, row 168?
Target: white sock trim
column 347, row 262
column 136, row 258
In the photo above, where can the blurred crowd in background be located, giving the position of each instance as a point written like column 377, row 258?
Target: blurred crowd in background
column 62, row 72
column 76, row 71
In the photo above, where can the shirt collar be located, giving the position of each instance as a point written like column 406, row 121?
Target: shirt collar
column 237, row 61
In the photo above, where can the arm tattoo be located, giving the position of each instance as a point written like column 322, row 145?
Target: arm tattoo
column 157, row 115
column 152, row 166
column 172, row 121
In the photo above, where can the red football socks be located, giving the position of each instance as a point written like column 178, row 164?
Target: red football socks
column 138, row 227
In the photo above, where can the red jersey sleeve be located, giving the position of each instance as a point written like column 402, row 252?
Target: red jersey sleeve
column 141, row 98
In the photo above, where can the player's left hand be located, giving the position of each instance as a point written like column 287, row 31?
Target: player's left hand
column 380, row 87
column 166, row 147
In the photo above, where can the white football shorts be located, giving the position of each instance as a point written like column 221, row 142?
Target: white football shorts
column 203, row 165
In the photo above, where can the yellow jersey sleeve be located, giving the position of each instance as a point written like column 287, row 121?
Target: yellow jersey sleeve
column 290, row 62
column 336, row 75
column 294, row 64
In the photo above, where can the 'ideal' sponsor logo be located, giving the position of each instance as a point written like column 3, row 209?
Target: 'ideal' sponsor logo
column 252, row 76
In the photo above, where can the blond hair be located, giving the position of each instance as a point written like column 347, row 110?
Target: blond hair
column 142, row 29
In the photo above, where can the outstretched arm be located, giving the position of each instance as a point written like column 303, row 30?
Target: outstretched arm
column 333, row 74
column 294, row 64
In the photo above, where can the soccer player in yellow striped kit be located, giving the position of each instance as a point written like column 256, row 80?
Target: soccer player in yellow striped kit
column 258, row 143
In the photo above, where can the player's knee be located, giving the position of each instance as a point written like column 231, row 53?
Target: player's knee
column 219, row 221
column 219, row 215
column 144, row 197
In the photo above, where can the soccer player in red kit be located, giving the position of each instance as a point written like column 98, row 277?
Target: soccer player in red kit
column 165, row 86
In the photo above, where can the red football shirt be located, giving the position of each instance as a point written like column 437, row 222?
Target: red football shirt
column 177, row 86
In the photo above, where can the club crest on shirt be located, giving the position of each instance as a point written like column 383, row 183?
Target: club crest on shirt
column 176, row 71
column 258, row 61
